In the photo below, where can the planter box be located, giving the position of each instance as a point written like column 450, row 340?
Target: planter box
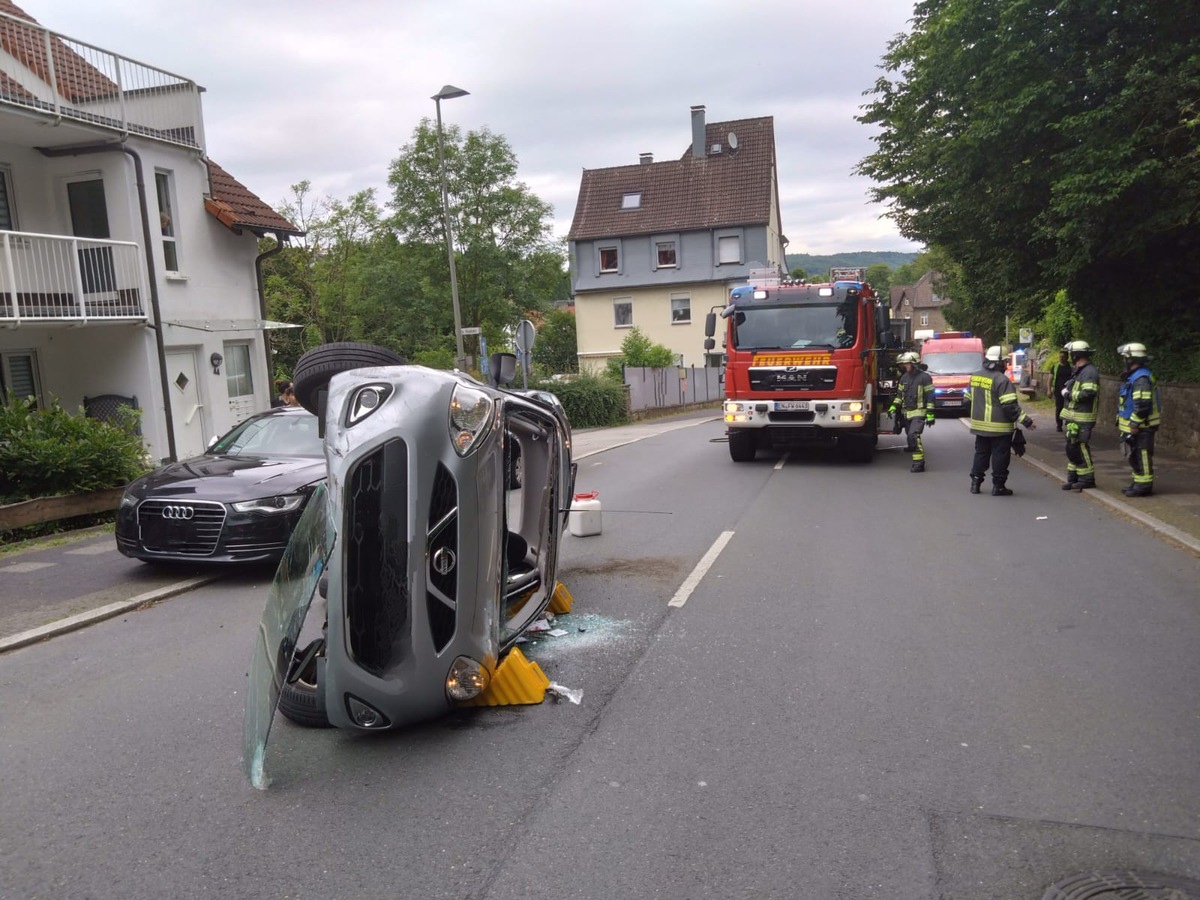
column 50, row 509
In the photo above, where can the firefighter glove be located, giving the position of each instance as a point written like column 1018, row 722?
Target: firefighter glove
column 1066, row 392
column 929, row 419
column 1072, row 431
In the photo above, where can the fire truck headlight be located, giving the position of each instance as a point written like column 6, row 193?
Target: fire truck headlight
column 853, row 406
column 731, row 407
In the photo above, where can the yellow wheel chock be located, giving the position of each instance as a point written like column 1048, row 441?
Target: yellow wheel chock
column 516, row 681
column 561, row 603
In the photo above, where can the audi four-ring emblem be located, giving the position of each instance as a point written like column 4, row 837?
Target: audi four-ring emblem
column 181, row 513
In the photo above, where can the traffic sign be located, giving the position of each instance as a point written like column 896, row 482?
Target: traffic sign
column 474, row 329
column 526, row 334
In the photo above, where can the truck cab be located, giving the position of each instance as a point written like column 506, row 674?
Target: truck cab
column 950, row 358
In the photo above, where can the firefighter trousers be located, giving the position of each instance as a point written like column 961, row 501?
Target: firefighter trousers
column 1141, row 458
column 914, row 426
column 1079, row 453
column 994, row 450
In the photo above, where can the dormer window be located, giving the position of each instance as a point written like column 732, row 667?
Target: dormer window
column 632, row 200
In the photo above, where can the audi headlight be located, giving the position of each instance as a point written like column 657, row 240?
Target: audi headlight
column 470, row 417
column 282, row 503
column 128, row 499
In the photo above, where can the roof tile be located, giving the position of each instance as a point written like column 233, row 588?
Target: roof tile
column 236, row 207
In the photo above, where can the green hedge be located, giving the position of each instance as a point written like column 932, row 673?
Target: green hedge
column 48, row 452
column 590, row 402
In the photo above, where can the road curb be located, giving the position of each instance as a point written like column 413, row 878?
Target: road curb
column 72, row 623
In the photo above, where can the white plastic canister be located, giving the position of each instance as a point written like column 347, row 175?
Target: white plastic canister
column 584, row 518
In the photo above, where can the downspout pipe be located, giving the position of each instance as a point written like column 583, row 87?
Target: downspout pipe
column 117, row 147
column 280, row 242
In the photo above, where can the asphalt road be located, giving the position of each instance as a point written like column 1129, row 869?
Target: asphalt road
column 883, row 686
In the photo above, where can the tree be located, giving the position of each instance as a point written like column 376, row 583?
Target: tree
column 879, row 276
column 557, row 347
column 639, row 350
column 1048, row 145
column 507, row 263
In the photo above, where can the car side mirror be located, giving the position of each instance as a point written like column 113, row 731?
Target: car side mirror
column 502, row 369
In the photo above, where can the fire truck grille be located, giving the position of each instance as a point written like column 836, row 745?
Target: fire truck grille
column 813, row 378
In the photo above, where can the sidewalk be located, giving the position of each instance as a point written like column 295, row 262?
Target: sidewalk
column 1174, row 509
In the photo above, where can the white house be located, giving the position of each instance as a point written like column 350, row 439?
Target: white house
column 129, row 262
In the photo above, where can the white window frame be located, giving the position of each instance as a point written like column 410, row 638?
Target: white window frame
column 6, row 181
column 631, row 200
column 600, row 250
column 924, row 319
column 725, row 239
column 168, row 219
column 622, row 301
column 681, row 297
column 6, row 376
column 661, row 243
column 239, row 381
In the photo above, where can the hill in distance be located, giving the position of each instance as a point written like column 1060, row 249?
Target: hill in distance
column 814, row 264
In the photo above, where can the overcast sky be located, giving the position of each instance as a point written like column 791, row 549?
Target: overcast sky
column 329, row 92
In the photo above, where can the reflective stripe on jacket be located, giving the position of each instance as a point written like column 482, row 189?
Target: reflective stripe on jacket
column 1138, row 403
column 916, row 391
column 994, row 407
column 1083, row 397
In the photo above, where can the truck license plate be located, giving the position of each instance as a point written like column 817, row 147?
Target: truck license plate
column 951, row 403
column 791, row 405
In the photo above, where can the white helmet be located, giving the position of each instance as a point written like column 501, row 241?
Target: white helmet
column 1133, row 351
column 1078, row 348
column 994, row 358
column 908, row 357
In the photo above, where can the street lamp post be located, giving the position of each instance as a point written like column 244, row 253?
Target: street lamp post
column 449, row 92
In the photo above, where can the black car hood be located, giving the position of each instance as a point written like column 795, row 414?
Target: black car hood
column 230, row 478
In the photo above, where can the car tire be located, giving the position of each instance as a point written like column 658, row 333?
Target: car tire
column 303, row 701
column 315, row 368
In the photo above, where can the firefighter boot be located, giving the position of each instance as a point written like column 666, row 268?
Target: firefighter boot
column 1072, row 478
column 1084, row 483
column 1138, row 490
column 918, row 466
column 976, row 481
column 999, row 490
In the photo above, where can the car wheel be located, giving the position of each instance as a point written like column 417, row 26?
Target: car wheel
column 318, row 365
column 743, row 445
column 303, row 700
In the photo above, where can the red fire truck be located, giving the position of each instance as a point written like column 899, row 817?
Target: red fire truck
column 805, row 363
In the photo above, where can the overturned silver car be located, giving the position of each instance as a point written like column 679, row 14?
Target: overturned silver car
column 432, row 548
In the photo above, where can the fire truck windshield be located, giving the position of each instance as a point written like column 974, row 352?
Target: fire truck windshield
column 830, row 325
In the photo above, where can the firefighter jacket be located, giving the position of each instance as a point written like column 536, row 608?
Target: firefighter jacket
column 1083, row 395
column 994, row 407
column 1138, row 403
column 915, row 392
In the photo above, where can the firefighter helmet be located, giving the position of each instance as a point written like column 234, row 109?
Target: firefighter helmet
column 1133, row 351
column 994, row 358
column 1077, row 348
column 908, row 357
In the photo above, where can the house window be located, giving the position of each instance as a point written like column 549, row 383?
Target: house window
column 623, row 313
column 632, row 200
column 19, row 376
column 665, row 251
column 681, row 309
column 610, row 259
column 8, row 215
column 238, row 380
column 924, row 319
column 729, row 249
column 164, row 184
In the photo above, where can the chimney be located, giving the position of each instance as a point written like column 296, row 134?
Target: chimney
column 645, row 158
column 698, row 131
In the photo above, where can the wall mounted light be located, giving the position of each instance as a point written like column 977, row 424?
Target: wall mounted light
column 216, row 359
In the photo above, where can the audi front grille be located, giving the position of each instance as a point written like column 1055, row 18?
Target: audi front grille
column 376, row 556
column 185, row 527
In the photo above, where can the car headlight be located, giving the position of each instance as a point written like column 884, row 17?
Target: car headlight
column 466, row 680
column 128, row 499
column 470, row 417
column 365, row 400
column 282, row 503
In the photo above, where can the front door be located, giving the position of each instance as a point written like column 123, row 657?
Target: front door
column 186, row 408
column 89, row 219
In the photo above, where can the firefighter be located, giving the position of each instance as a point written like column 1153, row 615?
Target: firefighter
column 1138, row 416
column 1081, row 395
column 913, row 405
column 1059, row 373
column 994, row 417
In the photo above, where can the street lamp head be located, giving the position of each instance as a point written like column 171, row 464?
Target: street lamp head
column 449, row 92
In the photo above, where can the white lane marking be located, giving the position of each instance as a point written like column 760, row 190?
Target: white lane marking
column 782, row 460
column 94, row 550
column 23, row 568
column 706, row 561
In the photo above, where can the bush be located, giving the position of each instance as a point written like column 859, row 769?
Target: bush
column 47, row 452
column 590, row 402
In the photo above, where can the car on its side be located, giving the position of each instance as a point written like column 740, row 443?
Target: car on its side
column 238, row 502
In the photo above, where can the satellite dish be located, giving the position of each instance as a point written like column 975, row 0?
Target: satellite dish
column 732, row 141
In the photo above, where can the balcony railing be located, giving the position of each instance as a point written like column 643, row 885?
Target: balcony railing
column 59, row 76
column 47, row 278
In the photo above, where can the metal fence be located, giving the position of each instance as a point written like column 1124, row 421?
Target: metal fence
column 70, row 79
column 673, row 386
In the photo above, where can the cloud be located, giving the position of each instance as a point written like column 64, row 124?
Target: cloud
column 326, row 92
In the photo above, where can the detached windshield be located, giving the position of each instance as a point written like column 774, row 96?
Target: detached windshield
column 277, row 435
column 792, row 327
column 965, row 362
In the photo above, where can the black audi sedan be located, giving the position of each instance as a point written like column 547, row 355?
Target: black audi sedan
column 238, row 502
